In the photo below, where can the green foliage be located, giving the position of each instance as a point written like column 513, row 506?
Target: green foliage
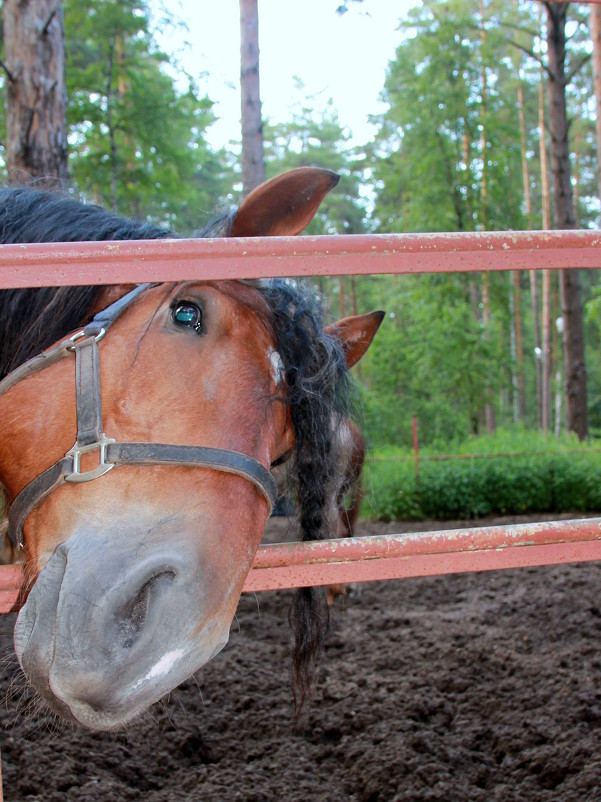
column 545, row 477
column 137, row 136
column 593, row 358
column 434, row 359
column 136, row 123
column 448, row 151
column 447, row 157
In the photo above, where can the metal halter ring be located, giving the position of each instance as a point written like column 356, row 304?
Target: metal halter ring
column 83, row 333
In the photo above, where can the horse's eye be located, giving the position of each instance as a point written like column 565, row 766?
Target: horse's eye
column 188, row 315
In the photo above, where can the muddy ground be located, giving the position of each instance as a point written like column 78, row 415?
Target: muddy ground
column 472, row 687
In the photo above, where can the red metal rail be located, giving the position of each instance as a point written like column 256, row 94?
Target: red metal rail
column 363, row 559
column 178, row 260
column 354, row 559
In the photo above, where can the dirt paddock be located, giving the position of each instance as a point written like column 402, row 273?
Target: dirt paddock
column 472, row 687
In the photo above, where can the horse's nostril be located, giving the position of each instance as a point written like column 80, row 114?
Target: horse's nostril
column 132, row 616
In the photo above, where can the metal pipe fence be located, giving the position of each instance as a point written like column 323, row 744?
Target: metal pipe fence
column 78, row 263
column 354, row 559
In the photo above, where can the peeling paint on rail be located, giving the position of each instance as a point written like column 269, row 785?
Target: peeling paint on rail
column 424, row 554
column 364, row 559
column 53, row 264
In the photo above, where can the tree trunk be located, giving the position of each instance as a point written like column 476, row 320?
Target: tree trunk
column 519, row 347
column 544, row 161
column 489, row 410
column 36, row 96
column 556, row 349
column 354, row 294
column 341, row 296
column 354, row 305
column 533, row 287
column 515, row 389
column 576, row 182
column 537, row 347
column 571, row 298
column 546, row 297
column 111, row 127
column 596, row 37
column 524, row 148
column 483, row 121
column 546, row 357
column 253, row 164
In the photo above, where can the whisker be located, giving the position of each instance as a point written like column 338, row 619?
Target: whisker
column 199, row 688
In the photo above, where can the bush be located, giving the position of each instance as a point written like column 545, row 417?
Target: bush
column 545, row 478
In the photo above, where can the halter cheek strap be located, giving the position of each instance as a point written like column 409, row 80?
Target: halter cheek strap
column 91, row 437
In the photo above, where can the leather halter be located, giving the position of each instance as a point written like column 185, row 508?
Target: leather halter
column 90, row 434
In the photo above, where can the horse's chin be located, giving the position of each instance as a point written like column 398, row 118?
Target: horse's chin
column 100, row 647
column 121, row 708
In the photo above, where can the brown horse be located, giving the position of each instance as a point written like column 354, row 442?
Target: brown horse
column 344, row 492
column 347, row 493
column 180, row 397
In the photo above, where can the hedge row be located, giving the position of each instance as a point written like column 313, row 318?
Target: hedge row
column 537, row 483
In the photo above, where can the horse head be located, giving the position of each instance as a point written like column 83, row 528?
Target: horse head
column 135, row 575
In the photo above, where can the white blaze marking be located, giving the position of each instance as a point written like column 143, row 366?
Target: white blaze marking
column 164, row 665
column 277, row 366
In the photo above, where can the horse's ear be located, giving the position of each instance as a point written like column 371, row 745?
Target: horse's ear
column 283, row 206
column 356, row 334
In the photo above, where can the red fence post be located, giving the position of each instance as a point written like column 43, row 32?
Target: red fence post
column 416, row 448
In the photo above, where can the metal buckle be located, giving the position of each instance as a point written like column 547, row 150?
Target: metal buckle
column 103, row 466
column 78, row 335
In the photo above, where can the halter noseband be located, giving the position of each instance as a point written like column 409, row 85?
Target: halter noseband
column 90, row 434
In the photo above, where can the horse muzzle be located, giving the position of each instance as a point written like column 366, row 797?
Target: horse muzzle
column 101, row 646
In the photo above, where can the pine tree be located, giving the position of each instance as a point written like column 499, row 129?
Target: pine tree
column 36, row 100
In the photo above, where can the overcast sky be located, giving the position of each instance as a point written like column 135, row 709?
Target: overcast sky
column 342, row 57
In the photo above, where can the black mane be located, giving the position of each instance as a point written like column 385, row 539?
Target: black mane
column 315, row 367
column 33, row 319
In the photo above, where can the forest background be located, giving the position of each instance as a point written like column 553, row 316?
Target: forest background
column 475, row 359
